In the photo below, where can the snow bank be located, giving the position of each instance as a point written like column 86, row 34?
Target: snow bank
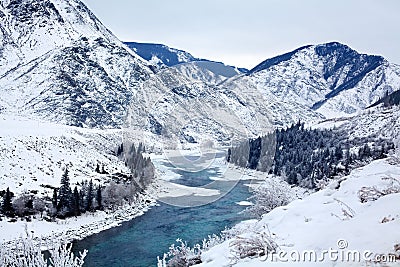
column 244, row 203
column 328, row 220
column 176, row 190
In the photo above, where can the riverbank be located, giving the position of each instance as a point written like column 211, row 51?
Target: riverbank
column 78, row 228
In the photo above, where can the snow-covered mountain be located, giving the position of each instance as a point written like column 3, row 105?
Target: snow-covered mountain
column 60, row 64
column 67, row 66
column 177, row 106
column 329, row 79
column 89, row 83
column 210, row 72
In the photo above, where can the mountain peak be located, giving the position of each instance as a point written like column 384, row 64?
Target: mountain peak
column 276, row 60
column 342, row 52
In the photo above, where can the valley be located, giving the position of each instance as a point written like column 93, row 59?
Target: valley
column 131, row 147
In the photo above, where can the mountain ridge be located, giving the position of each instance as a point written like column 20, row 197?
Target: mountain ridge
column 205, row 70
column 91, row 78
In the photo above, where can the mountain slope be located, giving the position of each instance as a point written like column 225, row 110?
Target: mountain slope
column 207, row 71
column 71, row 70
column 188, row 110
column 89, row 83
column 35, row 153
column 389, row 99
column 68, row 67
column 31, row 28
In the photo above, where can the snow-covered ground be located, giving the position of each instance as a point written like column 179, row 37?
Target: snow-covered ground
column 331, row 224
column 33, row 155
column 376, row 121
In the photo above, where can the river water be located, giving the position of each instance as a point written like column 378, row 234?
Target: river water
column 138, row 242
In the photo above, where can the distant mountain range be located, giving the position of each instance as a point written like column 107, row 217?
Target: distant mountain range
column 60, row 64
column 205, row 70
column 162, row 54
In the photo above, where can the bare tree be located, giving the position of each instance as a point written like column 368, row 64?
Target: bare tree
column 270, row 194
column 24, row 252
column 39, row 206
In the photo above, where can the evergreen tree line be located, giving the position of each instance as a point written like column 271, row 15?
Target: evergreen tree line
column 304, row 156
column 142, row 169
column 67, row 202
column 64, row 202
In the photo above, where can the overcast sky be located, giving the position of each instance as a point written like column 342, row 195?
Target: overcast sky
column 244, row 33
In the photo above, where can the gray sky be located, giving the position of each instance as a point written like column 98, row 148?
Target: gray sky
column 244, row 33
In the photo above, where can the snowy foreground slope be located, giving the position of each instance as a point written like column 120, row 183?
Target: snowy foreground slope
column 333, row 219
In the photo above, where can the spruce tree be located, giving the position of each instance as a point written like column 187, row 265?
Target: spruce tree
column 82, row 200
column 7, row 204
column 65, row 198
column 99, row 198
column 89, row 197
column 228, row 156
column 55, row 198
column 76, row 203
